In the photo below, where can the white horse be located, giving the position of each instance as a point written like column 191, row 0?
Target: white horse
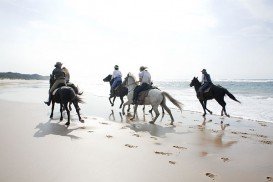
column 154, row 98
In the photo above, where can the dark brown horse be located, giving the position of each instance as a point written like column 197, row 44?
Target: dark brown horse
column 120, row 91
column 64, row 96
column 215, row 92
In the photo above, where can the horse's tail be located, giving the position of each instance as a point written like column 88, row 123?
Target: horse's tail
column 174, row 101
column 231, row 96
column 78, row 99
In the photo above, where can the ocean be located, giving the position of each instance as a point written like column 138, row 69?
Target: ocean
column 256, row 96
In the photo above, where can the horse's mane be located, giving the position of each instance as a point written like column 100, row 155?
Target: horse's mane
column 131, row 75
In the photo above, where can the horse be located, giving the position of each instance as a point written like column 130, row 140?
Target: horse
column 64, row 95
column 120, row 91
column 154, row 98
column 75, row 89
column 215, row 92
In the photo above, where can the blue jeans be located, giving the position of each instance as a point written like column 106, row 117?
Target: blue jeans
column 116, row 83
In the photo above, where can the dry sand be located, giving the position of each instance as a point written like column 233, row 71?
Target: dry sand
column 35, row 148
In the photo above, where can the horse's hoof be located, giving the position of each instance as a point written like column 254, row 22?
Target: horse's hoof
column 150, row 111
column 204, row 115
column 123, row 113
column 67, row 124
column 228, row 116
column 210, row 112
column 152, row 122
column 51, row 117
column 61, row 119
column 81, row 120
column 132, row 118
column 112, row 105
column 171, row 123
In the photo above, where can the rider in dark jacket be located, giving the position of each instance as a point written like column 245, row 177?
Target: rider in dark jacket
column 59, row 77
column 206, row 82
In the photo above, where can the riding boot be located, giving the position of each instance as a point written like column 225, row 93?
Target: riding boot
column 49, row 100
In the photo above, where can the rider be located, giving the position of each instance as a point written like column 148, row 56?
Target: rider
column 117, row 78
column 145, row 82
column 67, row 75
column 206, row 82
column 59, row 77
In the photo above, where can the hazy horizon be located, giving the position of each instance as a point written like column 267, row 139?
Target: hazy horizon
column 174, row 39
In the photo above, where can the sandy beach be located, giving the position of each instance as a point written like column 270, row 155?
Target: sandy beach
column 36, row 148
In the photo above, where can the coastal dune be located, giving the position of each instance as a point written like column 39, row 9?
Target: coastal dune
column 36, row 148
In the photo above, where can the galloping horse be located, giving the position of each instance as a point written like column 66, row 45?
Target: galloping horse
column 119, row 92
column 154, row 98
column 215, row 92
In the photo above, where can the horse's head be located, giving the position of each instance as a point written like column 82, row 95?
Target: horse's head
column 194, row 82
column 108, row 78
column 129, row 80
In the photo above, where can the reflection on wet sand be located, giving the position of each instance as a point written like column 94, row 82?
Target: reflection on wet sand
column 206, row 136
column 113, row 118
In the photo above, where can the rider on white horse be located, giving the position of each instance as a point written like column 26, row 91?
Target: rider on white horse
column 145, row 82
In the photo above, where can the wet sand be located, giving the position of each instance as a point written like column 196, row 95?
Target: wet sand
column 36, row 148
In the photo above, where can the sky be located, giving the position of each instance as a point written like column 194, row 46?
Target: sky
column 175, row 39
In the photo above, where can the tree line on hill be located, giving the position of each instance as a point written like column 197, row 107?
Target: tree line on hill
column 11, row 75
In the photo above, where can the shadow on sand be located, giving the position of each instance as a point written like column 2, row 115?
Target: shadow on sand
column 49, row 128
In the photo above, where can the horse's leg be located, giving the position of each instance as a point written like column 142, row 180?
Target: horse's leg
column 110, row 100
column 70, row 108
column 201, row 102
column 155, row 108
column 168, row 111
column 126, row 103
column 68, row 114
column 78, row 111
column 129, row 107
column 114, row 101
column 223, row 104
column 143, row 108
column 121, row 98
column 205, row 103
column 163, row 112
column 52, row 109
column 135, row 110
column 61, row 111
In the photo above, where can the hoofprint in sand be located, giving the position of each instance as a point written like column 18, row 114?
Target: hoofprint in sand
column 35, row 148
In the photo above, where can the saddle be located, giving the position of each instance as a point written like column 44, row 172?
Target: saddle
column 143, row 94
column 207, row 90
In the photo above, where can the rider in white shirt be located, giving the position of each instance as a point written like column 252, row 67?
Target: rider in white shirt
column 116, row 78
column 145, row 82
